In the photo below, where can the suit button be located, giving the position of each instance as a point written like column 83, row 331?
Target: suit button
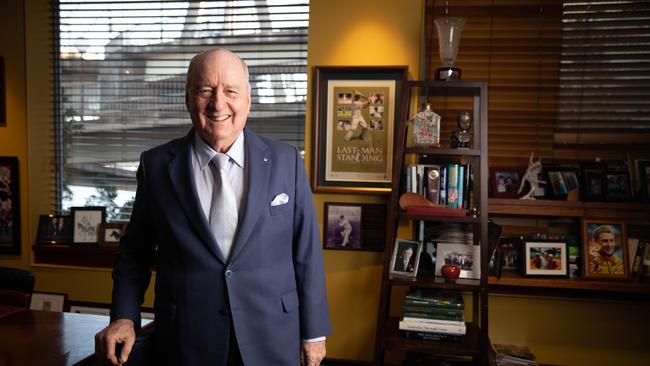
column 228, row 273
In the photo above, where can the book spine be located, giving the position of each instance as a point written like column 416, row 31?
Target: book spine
column 414, row 178
column 443, row 185
column 418, row 301
column 461, row 185
column 421, row 181
column 433, row 184
column 452, row 185
column 435, row 328
column 457, row 323
column 441, row 316
column 428, row 336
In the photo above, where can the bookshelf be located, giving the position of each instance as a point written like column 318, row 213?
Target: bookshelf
column 448, row 98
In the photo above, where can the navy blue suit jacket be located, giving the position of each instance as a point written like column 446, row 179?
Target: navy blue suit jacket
column 273, row 285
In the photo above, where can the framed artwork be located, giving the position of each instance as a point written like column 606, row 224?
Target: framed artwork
column 505, row 182
column 356, row 110
column 86, row 222
column 111, row 233
column 545, row 259
column 406, row 258
column 467, row 256
column 48, row 301
column 560, row 181
column 352, row 226
column 617, row 186
column 593, row 181
column 9, row 206
column 53, row 229
column 604, row 248
column 3, row 94
column 511, row 248
column 644, row 180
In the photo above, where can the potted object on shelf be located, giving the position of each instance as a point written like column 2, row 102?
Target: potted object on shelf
column 450, row 272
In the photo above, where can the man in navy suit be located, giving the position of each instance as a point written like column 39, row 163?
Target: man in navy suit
column 258, row 299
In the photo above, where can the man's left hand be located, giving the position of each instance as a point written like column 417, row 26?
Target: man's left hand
column 312, row 353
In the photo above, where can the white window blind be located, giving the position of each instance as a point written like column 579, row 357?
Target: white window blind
column 120, row 75
column 604, row 101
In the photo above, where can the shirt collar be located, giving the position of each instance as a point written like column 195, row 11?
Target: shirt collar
column 205, row 153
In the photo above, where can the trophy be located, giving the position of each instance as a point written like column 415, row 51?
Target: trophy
column 448, row 40
column 426, row 127
column 462, row 137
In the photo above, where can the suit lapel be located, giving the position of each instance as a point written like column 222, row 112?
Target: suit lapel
column 182, row 178
column 259, row 169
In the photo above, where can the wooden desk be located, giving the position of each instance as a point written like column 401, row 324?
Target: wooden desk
column 44, row 338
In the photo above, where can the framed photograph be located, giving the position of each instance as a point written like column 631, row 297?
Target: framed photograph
column 644, row 180
column 406, row 258
column 86, row 222
column 3, row 95
column 355, row 112
column 604, row 244
column 352, row 226
column 111, row 233
column 511, row 248
column 593, row 181
column 9, row 206
column 48, row 301
column 546, row 259
column 505, row 182
column 560, row 181
column 617, row 186
column 93, row 310
column 467, row 256
column 53, row 229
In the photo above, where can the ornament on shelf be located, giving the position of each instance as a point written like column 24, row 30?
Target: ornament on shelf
column 426, row 127
column 462, row 137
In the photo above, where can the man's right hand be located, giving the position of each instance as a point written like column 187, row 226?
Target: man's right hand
column 119, row 331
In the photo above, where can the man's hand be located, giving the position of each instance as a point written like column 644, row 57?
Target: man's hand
column 119, row 331
column 312, row 353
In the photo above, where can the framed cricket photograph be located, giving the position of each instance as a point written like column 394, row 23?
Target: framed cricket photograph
column 354, row 226
column 110, row 233
column 48, row 301
column 467, row 256
column 505, row 182
column 54, row 229
column 511, row 248
column 545, row 259
column 560, row 181
column 593, row 181
column 86, row 222
column 9, row 206
column 618, row 186
column 604, row 248
column 356, row 110
column 406, row 258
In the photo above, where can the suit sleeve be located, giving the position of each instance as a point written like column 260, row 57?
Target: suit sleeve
column 132, row 271
column 308, row 260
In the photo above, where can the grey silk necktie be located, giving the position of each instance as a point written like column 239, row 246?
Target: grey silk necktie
column 223, row 210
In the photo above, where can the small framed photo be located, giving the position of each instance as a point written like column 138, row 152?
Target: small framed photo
column 110, row 233
column 511, row 248
column 48, row 301
column 593, row 181
column 467, row 256
column 406, row 258
column 353, row 226
column 93, row 310
column 617, row 186
column 546, row 259
column 505, row 182
column 53, row 229
column 644, row 180
column 560, row 181
column 604, row 248
column 86, row 222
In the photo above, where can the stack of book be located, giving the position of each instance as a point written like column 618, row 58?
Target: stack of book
column 511, row 355
column 433, row 315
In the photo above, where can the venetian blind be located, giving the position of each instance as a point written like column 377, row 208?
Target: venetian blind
column 604, row 102
column 515, row 47
column 120, row 75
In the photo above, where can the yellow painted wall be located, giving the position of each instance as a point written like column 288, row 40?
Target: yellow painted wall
column 380, row 32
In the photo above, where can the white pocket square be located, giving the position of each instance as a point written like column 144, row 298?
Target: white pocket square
column 280, row 199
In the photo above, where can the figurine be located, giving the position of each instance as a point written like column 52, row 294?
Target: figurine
column 532, row 177
column 462, row 137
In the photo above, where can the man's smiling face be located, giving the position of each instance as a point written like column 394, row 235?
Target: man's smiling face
column 218, row 98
